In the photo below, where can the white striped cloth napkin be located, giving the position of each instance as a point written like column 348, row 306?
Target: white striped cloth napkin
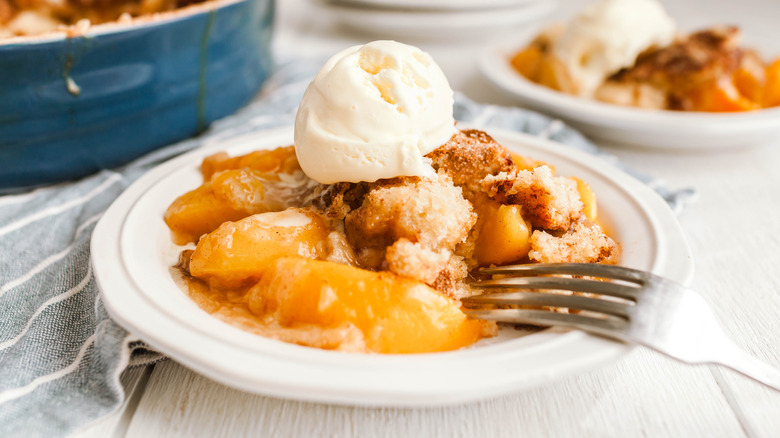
column 60, row 353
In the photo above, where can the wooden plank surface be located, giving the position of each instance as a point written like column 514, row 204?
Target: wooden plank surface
column 643, row 393
column 734, row 232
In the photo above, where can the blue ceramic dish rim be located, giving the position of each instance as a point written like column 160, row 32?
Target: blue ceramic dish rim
column 115, row 27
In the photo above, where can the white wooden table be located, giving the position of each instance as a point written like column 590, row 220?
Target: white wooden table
column 733, row 229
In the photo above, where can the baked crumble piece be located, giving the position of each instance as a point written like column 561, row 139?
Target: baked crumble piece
column 416, row 261
column 469, row 157
column 410, row 226
column 337, row 200
column 548, row 201
column 582, row 243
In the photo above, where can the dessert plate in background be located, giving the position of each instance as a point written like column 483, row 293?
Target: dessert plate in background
column 436, row 24
column 433, row 4
column 657, row 129
column 132, row 255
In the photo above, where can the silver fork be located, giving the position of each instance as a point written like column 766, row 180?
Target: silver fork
column 632, row 306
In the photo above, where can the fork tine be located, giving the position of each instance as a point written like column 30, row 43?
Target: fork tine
column 571, row 284
column 551, row 300
column 609, row 327
column 584, row 269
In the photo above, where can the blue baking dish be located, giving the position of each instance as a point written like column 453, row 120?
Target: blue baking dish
column 70, row 106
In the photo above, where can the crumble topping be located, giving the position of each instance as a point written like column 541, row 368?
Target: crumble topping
column 469, row 157
column 667, row 77
column 425, row 229
column 416, row 261
column 410, row 226
column 582, row 243
column 549, row 202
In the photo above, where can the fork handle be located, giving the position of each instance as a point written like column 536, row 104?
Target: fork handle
column 733, row 357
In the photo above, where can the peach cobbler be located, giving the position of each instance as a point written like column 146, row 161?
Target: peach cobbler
column 352, row 263
column 34, row 17
column 627, row 52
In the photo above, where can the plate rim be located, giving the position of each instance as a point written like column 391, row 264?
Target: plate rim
column 102, row 246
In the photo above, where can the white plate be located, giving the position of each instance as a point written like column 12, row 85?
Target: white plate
column 433, row 4
column 430, row 24
column 132, row 253
column 672, row 130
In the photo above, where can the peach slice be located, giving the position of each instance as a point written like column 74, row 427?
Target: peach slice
column 198, row 212
column 234, row 188
column 720, row 96
column 588, row 197
column 772, row 90
column 274, row 161
column 395, row 314
column 528, row 62
column 237, row 253
column 504, row 236
column 527, row 163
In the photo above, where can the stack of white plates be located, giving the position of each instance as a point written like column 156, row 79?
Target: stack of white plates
column 436, row 18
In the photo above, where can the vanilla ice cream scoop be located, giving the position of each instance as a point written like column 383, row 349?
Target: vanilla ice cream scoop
column 608, row 36
column 373, row 112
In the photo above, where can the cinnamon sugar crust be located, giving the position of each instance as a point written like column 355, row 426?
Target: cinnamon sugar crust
column 664, row 77
column 432, row 213
column 335, row 201
column 702, row 55
column 548, row 202
column 410, row 226
column 425, row 228
column 468, row 157
column 416, row 261
column 452, row 279
column 582, row 243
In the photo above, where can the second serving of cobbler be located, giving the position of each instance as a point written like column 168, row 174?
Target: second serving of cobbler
column 629, row 52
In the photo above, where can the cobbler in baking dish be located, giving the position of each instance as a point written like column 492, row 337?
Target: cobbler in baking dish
column 35, row 17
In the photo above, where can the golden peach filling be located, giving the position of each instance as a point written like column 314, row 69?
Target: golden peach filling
column 395, row 314
column 236, row 187
column 237, row 253
column 374, row 267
